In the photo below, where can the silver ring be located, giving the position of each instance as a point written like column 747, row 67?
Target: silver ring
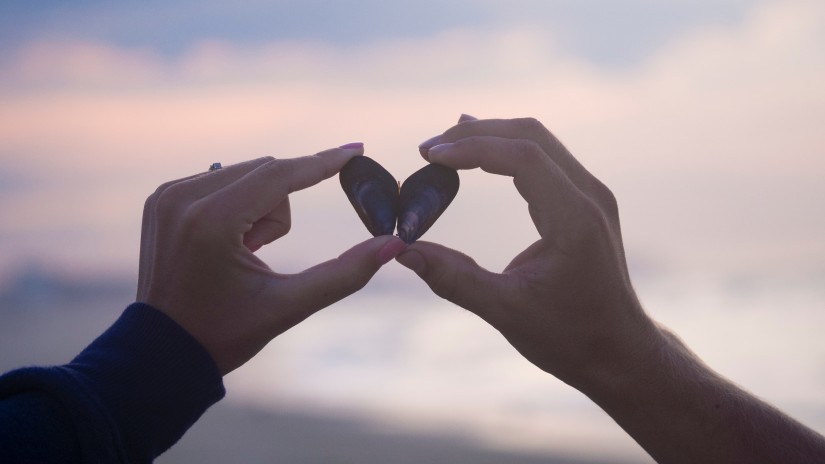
column 214, row 167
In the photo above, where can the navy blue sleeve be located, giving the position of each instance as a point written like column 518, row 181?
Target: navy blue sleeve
column 36, row 414
column 127, row 397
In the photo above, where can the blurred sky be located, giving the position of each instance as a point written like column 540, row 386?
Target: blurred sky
column 705, row 117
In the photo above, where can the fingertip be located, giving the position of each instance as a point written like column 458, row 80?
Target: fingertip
column 437, row 153
column 391, row 249
column 424, row 153
column 425, row 146
column 351, row 270
column 352, row 149
column 413, row 260
column 451, row 275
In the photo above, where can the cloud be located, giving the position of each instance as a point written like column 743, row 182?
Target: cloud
column 727, row 108
column 615, row 33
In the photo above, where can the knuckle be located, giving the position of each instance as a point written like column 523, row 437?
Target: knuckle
column 529, row 152
column 272, row 165
column 606, row 198
column 530, row 124
column 153, row 199
column 533, row 129
column 595, row 228
column 603, row 198
column 150, row 203
column 169, row 198
column 179, row 210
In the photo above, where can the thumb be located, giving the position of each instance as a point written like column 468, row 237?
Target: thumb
column 330, row 281
column 454, row 276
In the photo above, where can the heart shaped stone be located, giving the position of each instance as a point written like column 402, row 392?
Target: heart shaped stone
column 381, row 203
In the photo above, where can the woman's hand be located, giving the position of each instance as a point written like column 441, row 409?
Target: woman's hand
column 197, row 263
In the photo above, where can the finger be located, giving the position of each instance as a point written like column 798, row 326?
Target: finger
column 529, row 129
column 552, row 199
column 269, row 228
column 258, row 192
column 424, row 147
column 200, row 185
column 522, row 128
column 328, row 282
column 456, row 277
column 208, row 182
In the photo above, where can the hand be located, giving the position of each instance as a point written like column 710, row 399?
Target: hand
column 197, row 263
column 566, row 302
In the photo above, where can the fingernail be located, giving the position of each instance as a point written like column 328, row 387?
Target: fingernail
column 413, row 260
column 389, row 251
column 425, row 146
column 440, row 148
column 352, row 146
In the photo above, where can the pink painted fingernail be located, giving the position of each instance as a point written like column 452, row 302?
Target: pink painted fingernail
column 392, row 249
column 352, row 145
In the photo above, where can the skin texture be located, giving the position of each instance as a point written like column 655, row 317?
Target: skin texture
column 567, row 304
column 197, row 261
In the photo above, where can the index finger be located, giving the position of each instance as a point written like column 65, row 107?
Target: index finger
column 516, row 158
column 522, row 128
column 261, row 190
column 549, row 193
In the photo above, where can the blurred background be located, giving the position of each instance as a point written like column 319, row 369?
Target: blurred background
column 705, row 117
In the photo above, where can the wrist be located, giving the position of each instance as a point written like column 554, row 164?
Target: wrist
column 614, row 349
column 661, row 394
column 633, row 351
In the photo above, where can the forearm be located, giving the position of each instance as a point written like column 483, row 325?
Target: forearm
column 679, row 410
column 567, row 304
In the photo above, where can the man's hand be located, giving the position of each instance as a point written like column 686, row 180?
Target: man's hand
column 566, row 302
